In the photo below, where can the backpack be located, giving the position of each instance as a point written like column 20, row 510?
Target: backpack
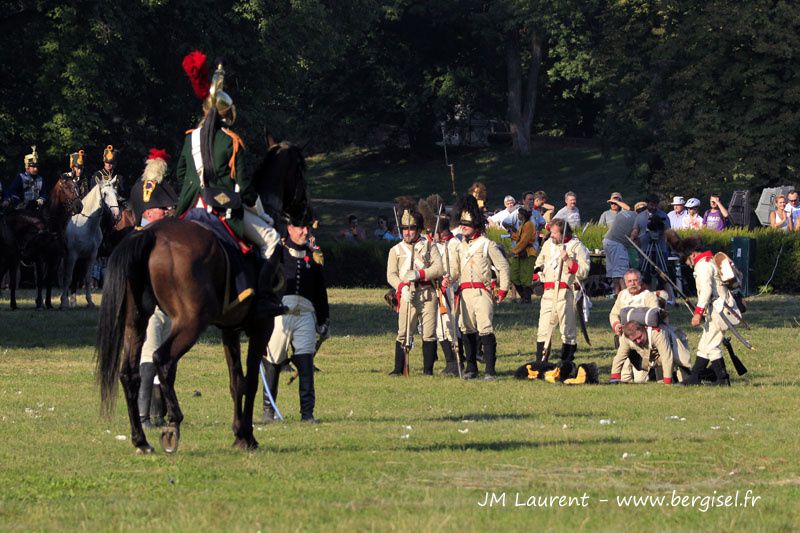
column 730, row 276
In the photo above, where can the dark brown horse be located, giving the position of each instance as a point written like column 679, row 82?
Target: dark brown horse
column 181, row 267
column 37, row 238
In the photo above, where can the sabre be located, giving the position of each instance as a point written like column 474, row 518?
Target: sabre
column 396, row 222
column 268, row 392
column 296, row 373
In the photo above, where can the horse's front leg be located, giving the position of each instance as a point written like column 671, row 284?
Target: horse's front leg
column 88, row 278
column 66, row 279
column 131, row 381
column 39, row 266
column 12, row 283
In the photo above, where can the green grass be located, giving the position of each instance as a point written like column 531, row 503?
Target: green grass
column 358, row 174
column 62, row 467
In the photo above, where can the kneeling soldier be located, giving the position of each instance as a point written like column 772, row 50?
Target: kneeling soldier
column 562, row 262
column 471, row 267
column 413, row 264
column 307, row 301
column 645, row 347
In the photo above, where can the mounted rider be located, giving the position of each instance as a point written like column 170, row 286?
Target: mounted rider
column 27, row 189
column 212, row 174
column 107, row 173
column 76, row 173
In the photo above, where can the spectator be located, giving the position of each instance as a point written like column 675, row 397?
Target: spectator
column 793, row 209
column 353, row 232
column 715, row 218
column 678, row 212
column 523, row 255
column 692, row 220
column 615, row 247
column 382, row 232
column 505, row 218
column 570, row 211
column 615, row 205
column 478, row 191
column 779, row 219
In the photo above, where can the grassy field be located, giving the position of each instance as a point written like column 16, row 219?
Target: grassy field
column 400, row 454
column 360, row 174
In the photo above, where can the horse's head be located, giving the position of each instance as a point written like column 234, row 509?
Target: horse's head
column 280, row 183
column 65, row 193
column 108, row 192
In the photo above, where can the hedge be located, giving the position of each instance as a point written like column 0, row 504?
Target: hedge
column 350, row 264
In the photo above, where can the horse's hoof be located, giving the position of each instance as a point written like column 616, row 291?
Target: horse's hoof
column 90, row 305
column 249, row 444
column 170, row 438
column 144, row 449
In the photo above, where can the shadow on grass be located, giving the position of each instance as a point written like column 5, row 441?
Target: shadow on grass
column 505, row 445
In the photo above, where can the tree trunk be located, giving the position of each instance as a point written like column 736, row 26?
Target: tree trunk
column 522, row 98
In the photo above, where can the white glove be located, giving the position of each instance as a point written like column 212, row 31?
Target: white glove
column 324, row 330
column 40, row 201
column 412, row 275
column 405, row 296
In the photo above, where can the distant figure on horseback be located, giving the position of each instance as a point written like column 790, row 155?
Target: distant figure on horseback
column 212, row 175
column 27, row 189
column 75, row 172
column 108, row 173
column 193, row 270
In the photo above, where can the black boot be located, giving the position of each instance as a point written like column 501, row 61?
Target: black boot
column 399, row 359
column 540, row 351
column 471, row 352
column 305, row 371
column 721, row 373
column 568, row 352
column 271, row 374
column 451, row 368
column 489, row 343
column 700, row 364
column 428, row 357
column 525, row 297
column 268, row 301
column 147, row 371
column 157, row 408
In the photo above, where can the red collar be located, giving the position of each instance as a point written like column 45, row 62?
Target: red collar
column 445, row 239
column 707, row 255
column 567, row 239
column 475, row 236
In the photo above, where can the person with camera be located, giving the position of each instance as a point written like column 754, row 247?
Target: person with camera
column 353, row 232
column 715, row 218
column 649, row 232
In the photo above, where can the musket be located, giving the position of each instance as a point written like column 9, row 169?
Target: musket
column 451, row 315
column 409, row 288
column 397, row 222
column 737, row 363
column 687, row 302
column 554, row 312
column 447, row 163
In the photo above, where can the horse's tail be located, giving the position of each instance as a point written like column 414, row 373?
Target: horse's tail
column 127, row 265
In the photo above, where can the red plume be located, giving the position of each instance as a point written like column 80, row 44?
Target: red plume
column 157, row 153
column 196, row 67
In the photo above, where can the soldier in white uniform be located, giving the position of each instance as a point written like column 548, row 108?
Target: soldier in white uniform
column 412, row 266
column 471, row 271
column 647, row 347
column 447, row 245
column 565, row 254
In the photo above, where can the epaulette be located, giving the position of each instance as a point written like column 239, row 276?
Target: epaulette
column 318, row 256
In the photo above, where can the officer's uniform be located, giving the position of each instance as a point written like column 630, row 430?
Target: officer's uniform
column 306, row 298
column 110, row 156
column 228, row 175
column 26, row 189
column 471, row 268
column 76, row 160
column 416, row 298
column 548, row 262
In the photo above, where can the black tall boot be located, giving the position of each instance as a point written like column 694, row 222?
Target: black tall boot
column 527, row 292
column 399, row 359
column 489, row 343
column 428, row 357
column 305, row 371
column 451, row 368
column 568, row 352
column 700, row 364
column 721, row 373
column 158, row 410
column 271, row 374
column 147, row 371
column 268, row 301
column 471, row 352
column 540, row 351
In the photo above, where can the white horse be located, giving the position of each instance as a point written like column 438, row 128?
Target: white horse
column 84, row 236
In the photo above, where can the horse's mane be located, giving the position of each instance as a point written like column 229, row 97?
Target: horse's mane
column 293, row 149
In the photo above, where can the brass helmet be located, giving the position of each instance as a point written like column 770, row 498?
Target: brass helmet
column 110, row 155
column 76, row 159
column 32, row 158
column 219, row 98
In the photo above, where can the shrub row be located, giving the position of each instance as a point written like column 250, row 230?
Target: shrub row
column 364, row 264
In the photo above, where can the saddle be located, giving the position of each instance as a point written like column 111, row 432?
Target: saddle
column 242, row 266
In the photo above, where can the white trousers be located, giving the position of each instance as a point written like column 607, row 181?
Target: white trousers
column 257, row 231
